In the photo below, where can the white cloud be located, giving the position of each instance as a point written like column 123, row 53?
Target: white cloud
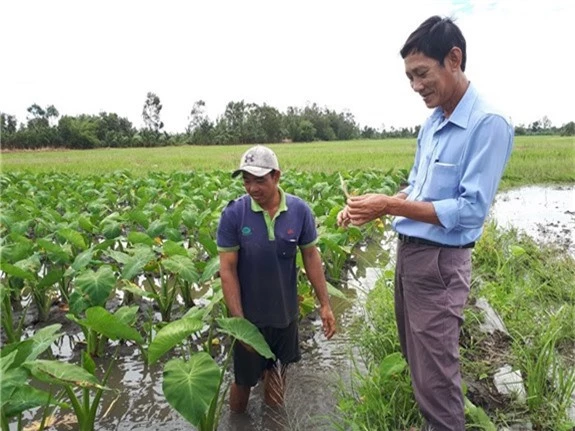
column 87, row 57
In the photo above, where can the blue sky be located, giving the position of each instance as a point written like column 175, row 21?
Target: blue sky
column 88, row 56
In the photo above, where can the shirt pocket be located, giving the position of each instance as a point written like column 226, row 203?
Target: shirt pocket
column 443, row 182
column 286, row 248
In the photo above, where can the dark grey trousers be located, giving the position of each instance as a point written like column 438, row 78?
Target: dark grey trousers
column 431, row 289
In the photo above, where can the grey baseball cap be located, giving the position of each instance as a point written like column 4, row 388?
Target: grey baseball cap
column 258, row 161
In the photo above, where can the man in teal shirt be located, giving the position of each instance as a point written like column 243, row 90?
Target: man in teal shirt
column 462, row 150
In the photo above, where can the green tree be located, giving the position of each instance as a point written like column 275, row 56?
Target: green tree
column 269, row 121
column 39, row 131
column 520, row 130
column 305, row 132
column 546, row 124
column 8, row 124
column 368, row 133
column 79, row 132
column 151, row 113
column 113, row 130
column 320, row 121
column 200, row 129
column 568, row 129
column 235, row 120
column 197, row 116
column 42, row 117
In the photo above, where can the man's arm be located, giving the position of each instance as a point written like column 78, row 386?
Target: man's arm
column 314, row 271
column 231, row 282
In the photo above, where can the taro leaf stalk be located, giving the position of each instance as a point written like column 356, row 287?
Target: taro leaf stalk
column 12, row 329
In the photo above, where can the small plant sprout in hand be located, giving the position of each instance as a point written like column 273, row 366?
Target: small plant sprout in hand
column 343, row 186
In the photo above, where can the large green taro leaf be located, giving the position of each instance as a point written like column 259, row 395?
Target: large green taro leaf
column 171, row 335
column 183, row 266
column 110, row 325
column 245, row 331
column 190, row 387
column 26, row 397
column 62, row 373
column 103, row 322
column 92, row 288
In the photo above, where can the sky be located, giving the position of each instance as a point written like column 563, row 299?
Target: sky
column 87, row 57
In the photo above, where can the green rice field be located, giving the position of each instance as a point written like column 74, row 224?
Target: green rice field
column 535, row 159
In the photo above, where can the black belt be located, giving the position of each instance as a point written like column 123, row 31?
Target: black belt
column 415, row 240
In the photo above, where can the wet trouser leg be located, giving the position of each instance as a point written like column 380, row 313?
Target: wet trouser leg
column 431, row 289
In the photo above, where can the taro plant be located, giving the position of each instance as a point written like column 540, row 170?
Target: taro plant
column 56, row 258
column 26, row 276
column 192, row 384
column 99, row 325
column 167, row 272
column 38, row 282
column 16, row 393
column 165, row 269
column 19, row 362
column 77, row 382
column 306, row 296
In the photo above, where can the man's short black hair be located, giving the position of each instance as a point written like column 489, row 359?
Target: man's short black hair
column 434, row 38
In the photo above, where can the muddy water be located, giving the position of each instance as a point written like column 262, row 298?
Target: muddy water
column 545, row 213
column 137, row 403
column 310, row 393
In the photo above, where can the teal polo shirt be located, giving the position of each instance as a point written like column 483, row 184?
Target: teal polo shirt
column 267, row 250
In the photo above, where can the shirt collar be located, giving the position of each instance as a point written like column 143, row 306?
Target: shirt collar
column 462, row 112
column 283, row 204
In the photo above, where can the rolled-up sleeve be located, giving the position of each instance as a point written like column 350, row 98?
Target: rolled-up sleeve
column 483, row 162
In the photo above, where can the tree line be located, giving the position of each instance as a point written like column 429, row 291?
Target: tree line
column 241, row 123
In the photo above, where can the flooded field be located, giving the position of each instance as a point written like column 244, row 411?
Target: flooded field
column 545, row 213
column 137, row 402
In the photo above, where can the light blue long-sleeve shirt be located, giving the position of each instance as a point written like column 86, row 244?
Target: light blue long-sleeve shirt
column 458, row 164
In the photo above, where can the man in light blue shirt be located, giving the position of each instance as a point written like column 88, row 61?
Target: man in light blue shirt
column 462, row 150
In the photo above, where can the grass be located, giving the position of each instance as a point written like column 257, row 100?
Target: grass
column 531, row 287
column 535, row 159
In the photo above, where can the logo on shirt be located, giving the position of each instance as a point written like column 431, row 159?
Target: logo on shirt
column 246, row 230
column 290, row 231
